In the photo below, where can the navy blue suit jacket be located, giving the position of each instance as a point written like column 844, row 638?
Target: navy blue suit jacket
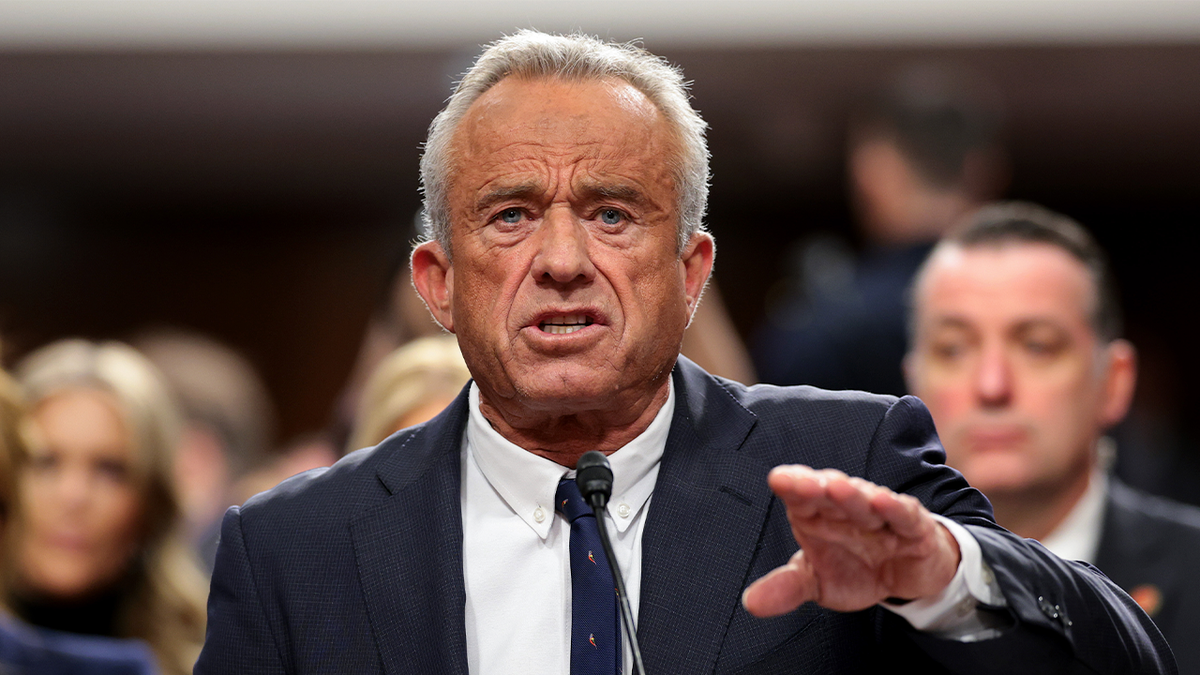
column 1151, row 548
column 358, row 568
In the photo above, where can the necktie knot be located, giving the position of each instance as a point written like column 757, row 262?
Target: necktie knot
column 569, row 502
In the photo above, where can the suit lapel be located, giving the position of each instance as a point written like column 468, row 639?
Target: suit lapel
column 705, row 518
column 409, row 552
column 1126, row 539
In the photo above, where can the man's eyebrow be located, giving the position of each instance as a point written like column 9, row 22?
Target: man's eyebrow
column 618, row 192
column 951, row 321
column 1037, row 322
column 500, row 194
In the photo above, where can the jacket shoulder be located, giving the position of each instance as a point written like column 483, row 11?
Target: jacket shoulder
column 837, row 417
column 334, row 495
column 1179, row 517
column 804, row 424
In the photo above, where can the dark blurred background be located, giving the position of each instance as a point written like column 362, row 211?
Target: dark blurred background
column 263, row 193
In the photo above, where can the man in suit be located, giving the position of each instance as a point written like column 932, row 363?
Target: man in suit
column 1017, row 352
column 565, row 185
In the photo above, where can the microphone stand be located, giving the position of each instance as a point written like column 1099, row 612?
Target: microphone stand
column 622, row 596
column 594, row 477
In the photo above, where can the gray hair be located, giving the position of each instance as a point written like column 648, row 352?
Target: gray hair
column 532, row 54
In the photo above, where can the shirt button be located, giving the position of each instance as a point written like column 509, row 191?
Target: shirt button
column 539, row 514
column 623, row 510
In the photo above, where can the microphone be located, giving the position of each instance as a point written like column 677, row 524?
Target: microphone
column 594, row 477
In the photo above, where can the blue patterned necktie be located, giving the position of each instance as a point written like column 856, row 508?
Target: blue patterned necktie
column 595, row 616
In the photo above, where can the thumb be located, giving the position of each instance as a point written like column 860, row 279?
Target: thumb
column 782, row 589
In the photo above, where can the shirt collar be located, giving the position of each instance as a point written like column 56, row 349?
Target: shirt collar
column 527, row 482
column 1077, row 537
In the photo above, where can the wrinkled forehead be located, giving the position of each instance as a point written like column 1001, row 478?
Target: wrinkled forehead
column 1004, row 282
column 560, row 114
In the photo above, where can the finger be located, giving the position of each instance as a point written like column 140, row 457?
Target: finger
column 801, row 489
column 782, row 589
column 852, row 497
column 904, row 514
column 828, row 494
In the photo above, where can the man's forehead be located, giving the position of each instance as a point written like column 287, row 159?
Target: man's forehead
column 526, row 135
column 542, row 101
column 1008, row 281
column 559, row 120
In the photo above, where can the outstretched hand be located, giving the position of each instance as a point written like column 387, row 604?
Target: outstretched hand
column 859, row 544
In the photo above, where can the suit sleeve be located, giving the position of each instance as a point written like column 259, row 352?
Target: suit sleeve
column 239, row 638
column 1064, row 617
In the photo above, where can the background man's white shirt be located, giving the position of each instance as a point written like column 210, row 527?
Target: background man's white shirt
column 1077, row 537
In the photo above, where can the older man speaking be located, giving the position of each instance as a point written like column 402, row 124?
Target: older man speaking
column 565, row 186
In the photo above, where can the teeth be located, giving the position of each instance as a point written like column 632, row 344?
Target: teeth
column 555, row 329
column 566, row 324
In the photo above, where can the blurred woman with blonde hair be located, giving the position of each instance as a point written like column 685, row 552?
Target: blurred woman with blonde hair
column 411, row 385
column 96, row 547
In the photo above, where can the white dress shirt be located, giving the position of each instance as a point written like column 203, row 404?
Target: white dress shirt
column 517, row 572
column 1077, row 537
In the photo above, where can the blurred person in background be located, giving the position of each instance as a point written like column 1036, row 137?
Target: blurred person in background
column 922, row 153
column 229, row 423
column 1017, row 352
column 97, row 547
column 412, row 385
column 399, row 317
column 25, row 650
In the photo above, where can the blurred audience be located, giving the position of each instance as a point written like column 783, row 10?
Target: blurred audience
column 922, row 153
column 712, row 341
column 228, row 426
column 412, row 385
column 399, row 318
column 97, row 547
column 25, row 650
column 1017, row 351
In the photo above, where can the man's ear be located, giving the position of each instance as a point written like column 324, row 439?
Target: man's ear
column 433, row 275
column 697, row 262
column 1120, row 379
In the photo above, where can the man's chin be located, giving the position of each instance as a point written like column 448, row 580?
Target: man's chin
column 565, row 395
column 998, row 474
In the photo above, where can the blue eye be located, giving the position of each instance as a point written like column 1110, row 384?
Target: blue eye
column 611, row 216
column 511, row 216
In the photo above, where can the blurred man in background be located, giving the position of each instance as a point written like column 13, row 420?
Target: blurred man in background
column 1017, row 352
column 229, row 423
column 922, row 153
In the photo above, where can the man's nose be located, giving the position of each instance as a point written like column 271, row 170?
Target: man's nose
column 994, row 379
column 562, row 254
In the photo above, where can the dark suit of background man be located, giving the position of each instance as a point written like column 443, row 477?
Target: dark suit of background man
column 1017, row 353
column 565, row 186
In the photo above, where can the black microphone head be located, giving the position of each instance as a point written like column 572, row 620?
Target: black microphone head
column 594, row 477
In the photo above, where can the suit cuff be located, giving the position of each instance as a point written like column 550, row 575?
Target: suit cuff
column 962, row 611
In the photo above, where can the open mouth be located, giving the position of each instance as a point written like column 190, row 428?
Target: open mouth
column 562, row 325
